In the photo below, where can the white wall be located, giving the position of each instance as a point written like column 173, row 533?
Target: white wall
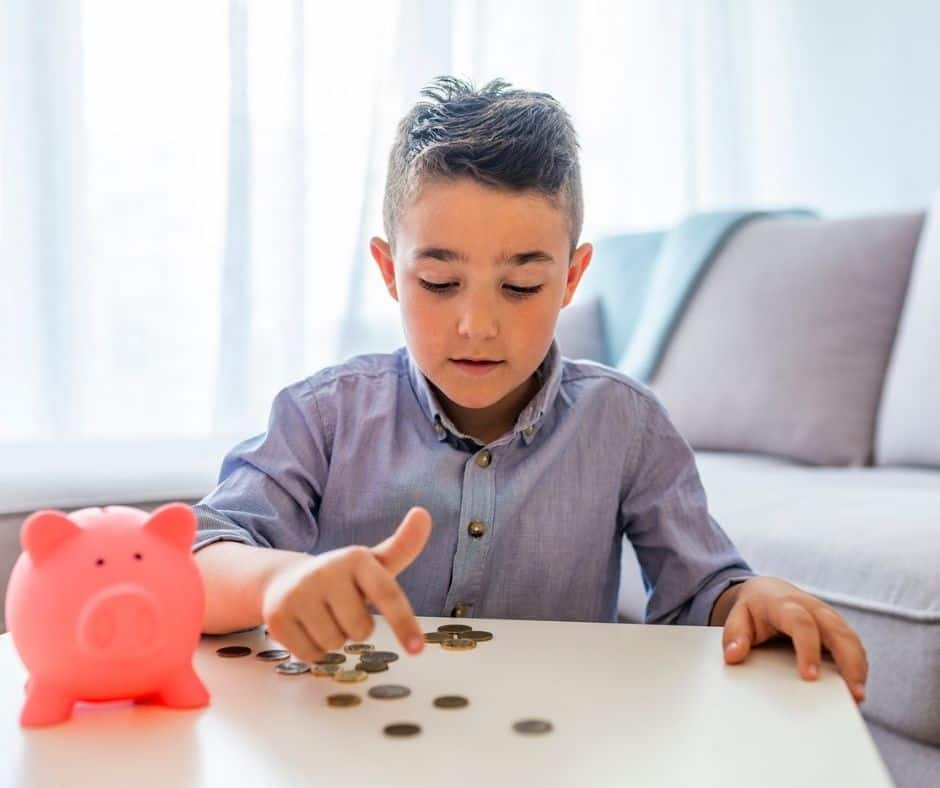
column 845, row 100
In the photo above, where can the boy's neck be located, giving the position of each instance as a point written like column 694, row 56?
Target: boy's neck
column 489, row 423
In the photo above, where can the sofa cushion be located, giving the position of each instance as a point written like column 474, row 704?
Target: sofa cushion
column 864, row 540
column 580, row 329
column 784, row 346
column 911, row 396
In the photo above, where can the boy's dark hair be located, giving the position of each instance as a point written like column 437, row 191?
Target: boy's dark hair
column 502, row 137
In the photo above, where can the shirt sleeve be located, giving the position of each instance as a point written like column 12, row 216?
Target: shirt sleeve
column 270, row 486
column 686, row 559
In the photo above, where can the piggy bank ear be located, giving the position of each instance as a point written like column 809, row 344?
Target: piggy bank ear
column 45, row 531
column 174, row 523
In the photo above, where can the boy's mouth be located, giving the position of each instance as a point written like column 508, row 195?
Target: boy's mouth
column 476, row 366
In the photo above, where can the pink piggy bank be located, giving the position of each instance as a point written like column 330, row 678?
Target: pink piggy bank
column 107, row 604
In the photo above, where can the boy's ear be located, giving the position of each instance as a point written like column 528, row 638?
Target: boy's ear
column 382, row 254
column 580, row 260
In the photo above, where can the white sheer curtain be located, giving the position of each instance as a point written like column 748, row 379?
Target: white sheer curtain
column 187, row 189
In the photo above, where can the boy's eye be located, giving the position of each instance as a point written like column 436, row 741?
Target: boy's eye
column 523, row 291
column 515, row 291
column 436, row 287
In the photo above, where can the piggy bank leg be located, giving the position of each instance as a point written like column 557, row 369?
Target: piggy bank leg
column 184, row 690
column 45, row 705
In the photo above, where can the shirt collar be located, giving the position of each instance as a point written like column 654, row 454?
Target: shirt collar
column 528, row 422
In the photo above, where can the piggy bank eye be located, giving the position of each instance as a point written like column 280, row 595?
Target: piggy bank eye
column 138, row 556
column 100, row 561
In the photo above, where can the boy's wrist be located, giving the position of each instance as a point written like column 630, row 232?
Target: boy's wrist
column 724, row 603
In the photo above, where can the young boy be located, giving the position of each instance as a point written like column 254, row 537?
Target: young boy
column 514, row 473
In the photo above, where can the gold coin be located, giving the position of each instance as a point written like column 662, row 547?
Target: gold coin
column 325, row 670
column 350, row 676
column 458, row 644
column 343, row 700
column 358, row 648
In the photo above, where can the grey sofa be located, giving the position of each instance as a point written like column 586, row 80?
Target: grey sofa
column 804, row 370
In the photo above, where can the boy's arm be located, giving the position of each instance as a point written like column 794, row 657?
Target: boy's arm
column 268, row 496
column 686, row 558
column 235, row 576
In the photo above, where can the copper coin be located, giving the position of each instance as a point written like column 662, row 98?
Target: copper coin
column 532, row 726
column 454, row 628
column 378, row 656
column 389, row 692
column 478, row 635
column 358, row 648
column 343, row 700
column 293, row 668
column 233, row 651
column 458, row 644
column 372, row 667
column 331, row 658
column 451, row 702
column 273, row 655
column 402, row 729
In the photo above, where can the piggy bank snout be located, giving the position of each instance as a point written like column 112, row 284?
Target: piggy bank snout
column 122, row 620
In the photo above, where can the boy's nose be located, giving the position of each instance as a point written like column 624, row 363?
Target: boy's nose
column 478, row 321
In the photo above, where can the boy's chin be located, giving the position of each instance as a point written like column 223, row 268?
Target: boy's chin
column 475, row 396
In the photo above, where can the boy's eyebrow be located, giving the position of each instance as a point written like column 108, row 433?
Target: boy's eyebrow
column 450, row 256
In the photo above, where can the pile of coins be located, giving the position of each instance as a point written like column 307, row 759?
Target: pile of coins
column 451, row 637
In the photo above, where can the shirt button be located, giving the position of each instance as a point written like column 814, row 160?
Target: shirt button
column 460, row 610
column 484, row 458
column 529, row 431
column 476, row 528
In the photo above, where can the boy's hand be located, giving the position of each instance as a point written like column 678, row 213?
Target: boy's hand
column 768, row 606
column 318, row 603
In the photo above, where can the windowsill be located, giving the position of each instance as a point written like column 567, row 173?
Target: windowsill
column 72, row 475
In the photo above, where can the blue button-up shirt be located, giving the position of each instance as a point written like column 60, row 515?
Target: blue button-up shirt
column 592, row 458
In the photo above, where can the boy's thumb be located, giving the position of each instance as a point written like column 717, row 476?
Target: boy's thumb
column 403, row 546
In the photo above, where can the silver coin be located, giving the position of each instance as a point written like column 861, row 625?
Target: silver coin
column 451, row 702
column 477, row 635
column 389, row 692
column 372, row 667
column 331, row 658
column 439, row 637
column 532, row 726
column 378, row 656
column 402, row 729
column 293, row 668
column 233, row 651
column 273, row 655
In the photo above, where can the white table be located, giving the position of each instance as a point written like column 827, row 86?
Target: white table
column 631, row 705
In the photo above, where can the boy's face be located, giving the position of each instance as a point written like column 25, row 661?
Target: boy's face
column 480, row 274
